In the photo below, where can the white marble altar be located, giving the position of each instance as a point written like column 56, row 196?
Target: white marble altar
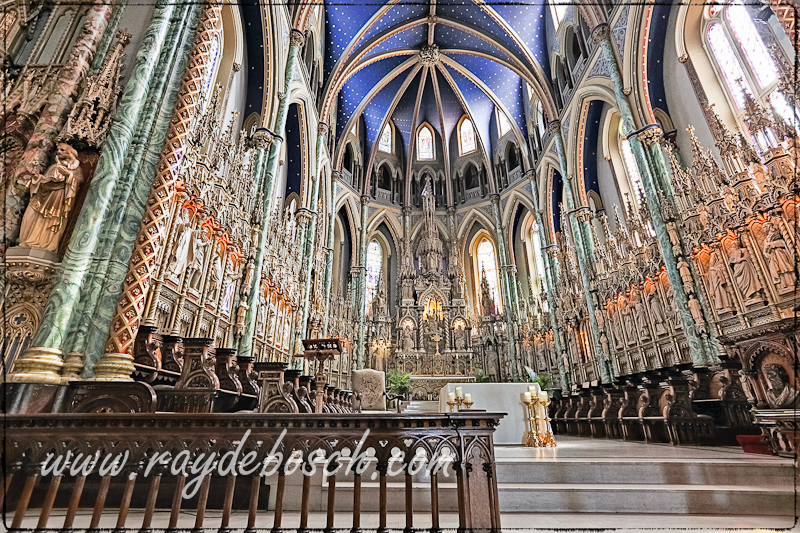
column 497, row 398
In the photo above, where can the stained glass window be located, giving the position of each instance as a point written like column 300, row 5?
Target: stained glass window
column 503, row 125
column 728, row 63
column 213, row 54
column 753, row 47
column 558, row 10
column 631, row 169
column 425, row 144
column 486, row 262
column 374, row 264
column 467, row 136
column 385, row 143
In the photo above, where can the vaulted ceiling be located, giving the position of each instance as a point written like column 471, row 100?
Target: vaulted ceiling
column 412, row 62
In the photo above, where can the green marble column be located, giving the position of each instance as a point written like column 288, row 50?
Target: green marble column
column 330, row 244
column 550, row 286
column 509, row 289
column 125, row 213
column 64, row 297
column 262, row 140
column 584, row 258
column 143, row 167
column 698, row 345
column 362, row 282
column 108, row 35
column 269, row 169
column 311, row 229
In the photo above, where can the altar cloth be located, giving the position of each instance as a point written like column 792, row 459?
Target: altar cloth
column 496, row 398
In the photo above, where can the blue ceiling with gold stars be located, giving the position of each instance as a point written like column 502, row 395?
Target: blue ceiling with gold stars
column 487, row 53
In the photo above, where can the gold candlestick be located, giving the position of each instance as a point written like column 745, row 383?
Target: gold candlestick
column 531, row 438
column 468, row 404
column 548, row 440
column 452, row 406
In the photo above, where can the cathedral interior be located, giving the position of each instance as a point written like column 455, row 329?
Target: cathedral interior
column 602, row 193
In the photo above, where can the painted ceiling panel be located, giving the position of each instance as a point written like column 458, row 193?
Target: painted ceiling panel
column 467, row 12
column 479, row 105
column 527, row 18
column 344, row 19
column 397, row 15
column 403, row 115
column 428, row 109
column 410, row 38
column 357, row 87
column 503, row 82
column 448, row 37
column 451, row 106
column 377, row 108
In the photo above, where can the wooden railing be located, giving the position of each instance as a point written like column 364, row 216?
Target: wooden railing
column 168, row 468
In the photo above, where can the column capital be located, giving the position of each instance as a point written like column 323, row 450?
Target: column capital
column 303, row 215
column 650, row 135
column 451, row 210
column 365, row 200
column 553, row 127
column 406, row 210
column 323, row 129
column 495, row 198
column 336, row 175
column 296, row 38
column 262, row 138
column 601, row 33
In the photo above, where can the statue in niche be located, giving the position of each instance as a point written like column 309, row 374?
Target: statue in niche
column 492, row 366
column 216, row 277
column 626, row 308
column 227, row 299
column 718, row 283
column 697, row 315
column 241, row 313
column 198, row 254
column 52, row 198
column 657, row 309
column 539, row 348
column 179, row 257
column 745, row 274
column 613, row 319
column 780, row 395
column 641, row 315
column 779, row 260
column 407, row 341
column 460, row 339
column 604, row 343
column 686, row 275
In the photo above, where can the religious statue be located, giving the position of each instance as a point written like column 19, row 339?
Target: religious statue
column 641, row 315
column 408, row 338
column 626, row 308
column 780, row 394
column 460, row 339
column 616, row 334
column 718, row 284
column 216, row 277
column 697, row 315
column 180, row 255
column 779, row 260
column 227, row 299
column 657, row 310
column 52, row 198
column 745, row 273
column 241, row 313
column 686, row 275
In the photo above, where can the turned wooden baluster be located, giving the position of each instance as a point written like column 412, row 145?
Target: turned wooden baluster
column 409, row 500
column 4, row 487
column 47, row 505
column 382, row 469
column 202, row 499
column 331, row 496
column 356, row 503
column 125, row 504
column 435, row 503
column 24, row 499
column 99, row 503
column 72, row 506
column 304, row 504
column 177, row 499
column 227, row 504
column 276, row 524
column 255, row 486
column 150, row 506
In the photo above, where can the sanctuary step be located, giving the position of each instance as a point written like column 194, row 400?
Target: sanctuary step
column 582, row 475
column 421, row 406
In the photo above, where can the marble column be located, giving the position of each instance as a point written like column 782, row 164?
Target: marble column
column 335, row 175
column 296, row 40
column 582, row 250
column 509, row 290
column 262, row 141
column 65, row 296
column 308, row 244
column 696, row 334
column 39, row 150
column 143, row 167
column 130, row 193
column 550, row 282
column 362, row 282
column 151, row 239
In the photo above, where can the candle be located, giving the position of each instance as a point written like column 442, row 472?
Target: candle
column 543, row 396
column 452, row 396
column 535, row 389
column 468, row 397
column 527, row 397
column 459, row 392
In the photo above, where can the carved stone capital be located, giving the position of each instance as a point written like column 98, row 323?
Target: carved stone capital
column 263, row 138
column 322, row 129
column 296, row 38
column 303, row 215
column 336, row 175
column 406, row 210
column 553, row 127
column 365, row 200
column 651, row 135
column 495, row 198
column 429, row 55
column 236, row 67
column 451, row 210
column 601, row 33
